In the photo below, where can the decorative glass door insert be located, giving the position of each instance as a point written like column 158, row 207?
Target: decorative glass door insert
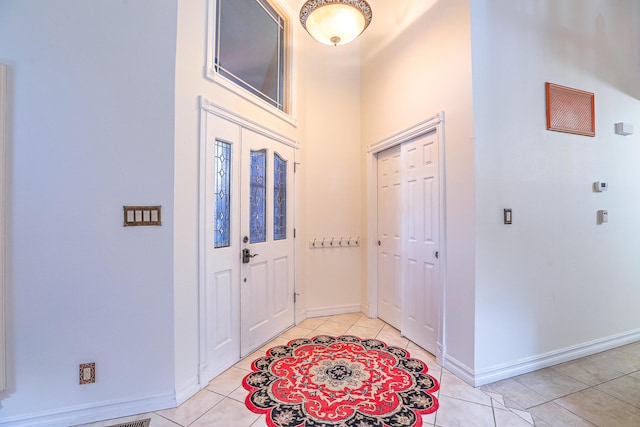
column 258, row 197
column 222, row 189
column 280, row 197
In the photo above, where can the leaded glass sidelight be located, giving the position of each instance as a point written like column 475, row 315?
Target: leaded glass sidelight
column 222, row 188
column 258, row 197
column 279, row 198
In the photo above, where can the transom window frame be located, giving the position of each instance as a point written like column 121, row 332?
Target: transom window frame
column 288, row 113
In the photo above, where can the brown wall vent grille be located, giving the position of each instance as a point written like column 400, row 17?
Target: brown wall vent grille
column 570, row 110
column 139, row 423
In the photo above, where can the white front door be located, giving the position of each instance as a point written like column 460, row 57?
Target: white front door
column 247, row 192
column 421, row 240
column 267, row 235
column 389, row 240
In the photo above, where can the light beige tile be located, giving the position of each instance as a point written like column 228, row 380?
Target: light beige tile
column 362, row 332
column 550, row 383
column 525, row 415
column 311, row 323
column 368, row 322
column 626, row 389
column 554, row 414
column 295, row 332
column 452, row 386
column 193, row 408
column 228, row 381
column 495, row 397
column 348, row 318
column 390, row 328
column 158, row 421
column 601, row 409
column 260, row 422
column 521, row 395
column 332, row 328
column 633, row 349
column 240, row 394
column 227, row 413
column 460, row 413
column 588, row 371
column 392, row 339
column 510, row 404
column 618, row 360
column 541, row 423
column 509, row 419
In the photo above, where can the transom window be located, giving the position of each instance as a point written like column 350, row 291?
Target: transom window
column 249, row 49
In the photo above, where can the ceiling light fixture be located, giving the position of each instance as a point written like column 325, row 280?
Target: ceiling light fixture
column 335, row 22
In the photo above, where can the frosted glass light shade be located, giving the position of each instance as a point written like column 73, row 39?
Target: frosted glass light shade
column 335, row 22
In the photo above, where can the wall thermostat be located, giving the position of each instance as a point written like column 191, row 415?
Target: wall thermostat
column 603, row 216
column 624, row 129
column 601, row 186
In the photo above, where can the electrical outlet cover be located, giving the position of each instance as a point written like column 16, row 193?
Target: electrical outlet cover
column 87, row 373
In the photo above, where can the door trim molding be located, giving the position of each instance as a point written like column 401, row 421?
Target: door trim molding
column 3, row 136
column 430, row 124
column 245, row 122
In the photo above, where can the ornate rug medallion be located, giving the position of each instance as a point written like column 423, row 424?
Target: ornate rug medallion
column 340, row 381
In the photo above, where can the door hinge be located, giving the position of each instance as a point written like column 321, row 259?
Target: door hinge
column 295, row 167
column 294, row 233
column 295, row 297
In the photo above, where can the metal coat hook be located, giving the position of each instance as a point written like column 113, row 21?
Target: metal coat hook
column 323, row 241
column 331, row 244
column 314, row 242
column 357, row 240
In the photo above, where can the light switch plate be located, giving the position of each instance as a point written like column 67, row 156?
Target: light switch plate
column 142, row 215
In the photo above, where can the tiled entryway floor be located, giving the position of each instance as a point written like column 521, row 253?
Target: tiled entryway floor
column 600, row 390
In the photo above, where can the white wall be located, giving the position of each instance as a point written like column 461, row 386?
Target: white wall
column 406, row 78
column 554, row 278
column 90, row 130
column 332, row 177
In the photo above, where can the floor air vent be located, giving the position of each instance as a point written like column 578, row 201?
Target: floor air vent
column 139, row 423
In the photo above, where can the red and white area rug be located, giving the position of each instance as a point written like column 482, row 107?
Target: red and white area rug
column 340, row 382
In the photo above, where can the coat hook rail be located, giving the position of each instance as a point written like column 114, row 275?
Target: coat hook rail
column 334, row 242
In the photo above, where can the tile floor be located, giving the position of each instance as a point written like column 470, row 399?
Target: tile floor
column 600, row 390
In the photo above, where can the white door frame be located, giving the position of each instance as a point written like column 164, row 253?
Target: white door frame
column 209, row 107
column 424, row 127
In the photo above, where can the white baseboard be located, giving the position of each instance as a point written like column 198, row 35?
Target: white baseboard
column 459, row 369
column 91, row 413
column 185, row 392
column 364, row 309
column 530, row 364
column 301, row 315
column 330, row 311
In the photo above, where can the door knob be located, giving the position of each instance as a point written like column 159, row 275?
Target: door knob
column 246, row 256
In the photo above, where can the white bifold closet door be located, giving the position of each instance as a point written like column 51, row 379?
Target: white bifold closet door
column 409, row 238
